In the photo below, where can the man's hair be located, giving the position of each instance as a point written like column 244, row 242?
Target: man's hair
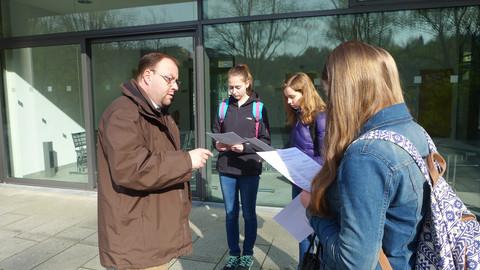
column 310, row 104
column 150, row 60
column 362, row 79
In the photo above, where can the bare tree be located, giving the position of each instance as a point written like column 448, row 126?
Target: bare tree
column 375, row 28
column 452, row 29
column 256, row 42
column 74, row 22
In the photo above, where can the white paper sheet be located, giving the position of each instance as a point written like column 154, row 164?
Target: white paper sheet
column 259, row 145
column 294, row 220
column 229, row 138
column 295, row 165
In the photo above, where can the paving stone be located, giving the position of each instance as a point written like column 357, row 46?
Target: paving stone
column 94, row 264
column 48, row 229
column 28, row 223
column 12, row 204
column 75, row 233
column 70, row 259
column 195, row 231
column 209, row 248
column 92, row 240
column 68, row 222
column 268, row 229
column 90, row 221
column 30, row 257
column 12, row 245
column 204, row 216
column 8, row 218
column 184, row 264
column 6, row 234
column 259, row 253
column 283, row 254
column 263, row 238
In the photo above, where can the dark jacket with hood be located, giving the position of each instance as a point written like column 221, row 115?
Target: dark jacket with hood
column 241, row 121
column 143, row 191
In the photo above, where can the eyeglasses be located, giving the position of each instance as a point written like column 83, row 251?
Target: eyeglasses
column 169, row 80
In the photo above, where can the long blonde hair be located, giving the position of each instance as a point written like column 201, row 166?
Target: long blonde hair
column 310, row 104
column 362, row 79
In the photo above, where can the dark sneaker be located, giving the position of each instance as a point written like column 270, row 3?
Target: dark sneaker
column 232, row 263
column 245, row 263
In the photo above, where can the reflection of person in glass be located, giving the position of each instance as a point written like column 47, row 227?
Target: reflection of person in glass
column 306, row 117
column 239, row 166
column 143, row 190
column 367, row 201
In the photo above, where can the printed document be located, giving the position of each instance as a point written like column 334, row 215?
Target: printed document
column 293, row 219
column 229, row 138
column 259, row 145
column 295, row 165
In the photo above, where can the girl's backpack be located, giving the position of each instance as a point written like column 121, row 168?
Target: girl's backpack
column 450, row 237
column 256, row 112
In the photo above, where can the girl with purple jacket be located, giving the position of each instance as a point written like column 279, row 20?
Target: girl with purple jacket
column 306, row 117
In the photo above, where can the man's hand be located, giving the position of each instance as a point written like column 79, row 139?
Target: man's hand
column 305, row 197
column 237, row 148
column 199, row 157
column 221, row 147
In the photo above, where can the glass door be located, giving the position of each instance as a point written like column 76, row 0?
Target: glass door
column 44, row 108
column 115, row 61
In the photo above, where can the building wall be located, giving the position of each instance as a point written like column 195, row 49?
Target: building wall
column 75, row 72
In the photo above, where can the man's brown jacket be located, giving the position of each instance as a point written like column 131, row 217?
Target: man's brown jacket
column 143, row 190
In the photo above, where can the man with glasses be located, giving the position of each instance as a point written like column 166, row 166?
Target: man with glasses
column 143, row 190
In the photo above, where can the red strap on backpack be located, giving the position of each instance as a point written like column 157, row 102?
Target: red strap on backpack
column 257, row 118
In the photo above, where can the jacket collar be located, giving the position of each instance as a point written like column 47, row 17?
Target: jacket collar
column 133, row 91
column 397, row 113
column 253, row 97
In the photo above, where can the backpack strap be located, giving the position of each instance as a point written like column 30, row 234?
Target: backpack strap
column 406, row 145
column 222, row 111
column 446, row 208
column 434, row 166
column 257, row 114
column 383, row 261
column 402, row 142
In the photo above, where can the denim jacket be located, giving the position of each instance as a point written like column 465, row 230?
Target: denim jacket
column 301, row 138
column 377, row 200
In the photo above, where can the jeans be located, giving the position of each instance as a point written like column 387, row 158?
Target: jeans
column 247, row 186
column 302, row 246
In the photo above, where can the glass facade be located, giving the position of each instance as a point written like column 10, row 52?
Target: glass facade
column 233, row 8
column 437, row 51
column 124, row 55
column 43, row 94
column 24, row 18
column 46, row 87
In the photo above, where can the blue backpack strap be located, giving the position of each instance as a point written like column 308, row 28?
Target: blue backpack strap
column 257, row 114
column 222, row 110
column 257, row 107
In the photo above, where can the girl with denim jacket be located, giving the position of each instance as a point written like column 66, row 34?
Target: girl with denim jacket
column 239, row 165
column 306, row 116
column 369, row 197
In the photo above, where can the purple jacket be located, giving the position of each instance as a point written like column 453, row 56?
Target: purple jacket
column 301, row 138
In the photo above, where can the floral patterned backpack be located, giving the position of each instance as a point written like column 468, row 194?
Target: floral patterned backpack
column 450, row 237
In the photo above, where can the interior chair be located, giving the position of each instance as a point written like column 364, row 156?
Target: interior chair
column 80, row 143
